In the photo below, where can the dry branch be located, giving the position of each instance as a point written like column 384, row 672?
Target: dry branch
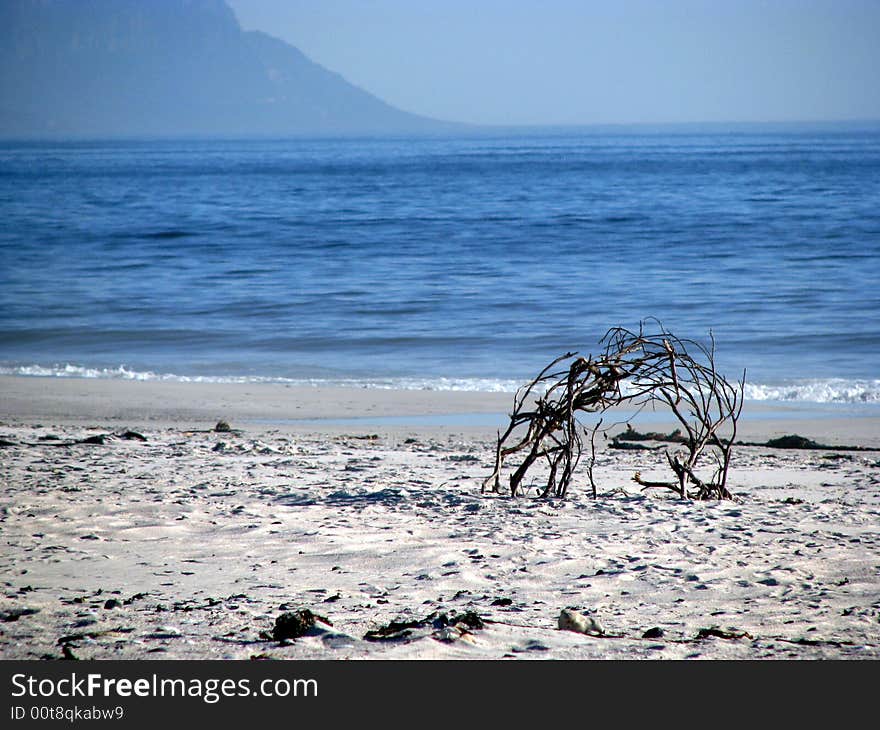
column 638, row 369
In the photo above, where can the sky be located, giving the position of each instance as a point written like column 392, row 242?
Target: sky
column 594, row 62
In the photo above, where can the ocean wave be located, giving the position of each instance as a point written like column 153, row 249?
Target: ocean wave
column 78, row 371
column 829, row 390
column 121, row 372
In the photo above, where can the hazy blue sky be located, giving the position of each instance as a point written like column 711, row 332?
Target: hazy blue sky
column 591, row 61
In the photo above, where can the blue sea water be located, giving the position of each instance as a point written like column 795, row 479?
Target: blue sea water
column 463, row 262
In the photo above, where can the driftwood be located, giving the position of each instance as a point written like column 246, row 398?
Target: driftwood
column 636, row 369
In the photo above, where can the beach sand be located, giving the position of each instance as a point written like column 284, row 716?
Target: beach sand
column 191, row 544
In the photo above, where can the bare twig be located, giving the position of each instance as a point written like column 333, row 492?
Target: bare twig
column 637, row 369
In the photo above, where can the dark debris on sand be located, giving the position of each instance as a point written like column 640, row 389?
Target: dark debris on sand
column 395, row 630
column 294, row 624
column 629, row 440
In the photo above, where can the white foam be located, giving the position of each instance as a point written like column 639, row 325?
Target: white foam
column 122, row 372
column 829, row 390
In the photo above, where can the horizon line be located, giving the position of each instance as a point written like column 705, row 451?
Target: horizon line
column 464, row 128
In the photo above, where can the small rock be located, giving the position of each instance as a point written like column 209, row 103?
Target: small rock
column 571, row 620
column 293, row 624
column 222, row 427
column 653, row 633
column 112, row 603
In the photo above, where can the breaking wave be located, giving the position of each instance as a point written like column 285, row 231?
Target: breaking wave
column 829, row 390
column 483, row 385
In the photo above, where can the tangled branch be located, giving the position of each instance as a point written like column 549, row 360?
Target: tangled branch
column 639, row 369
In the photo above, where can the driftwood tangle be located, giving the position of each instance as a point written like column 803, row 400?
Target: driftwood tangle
column 638, row 369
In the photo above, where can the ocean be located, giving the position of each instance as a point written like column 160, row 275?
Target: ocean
column 443, row 263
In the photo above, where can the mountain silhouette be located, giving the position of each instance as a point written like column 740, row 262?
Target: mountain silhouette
column 95, row 68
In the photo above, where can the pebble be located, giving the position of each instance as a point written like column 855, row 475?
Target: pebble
column 571, row 620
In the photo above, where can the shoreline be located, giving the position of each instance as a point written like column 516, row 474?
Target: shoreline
column 269, row 406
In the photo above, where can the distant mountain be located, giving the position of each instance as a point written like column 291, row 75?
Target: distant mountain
column 169, row 67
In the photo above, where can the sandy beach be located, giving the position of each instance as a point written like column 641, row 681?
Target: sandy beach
column 364, row 507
